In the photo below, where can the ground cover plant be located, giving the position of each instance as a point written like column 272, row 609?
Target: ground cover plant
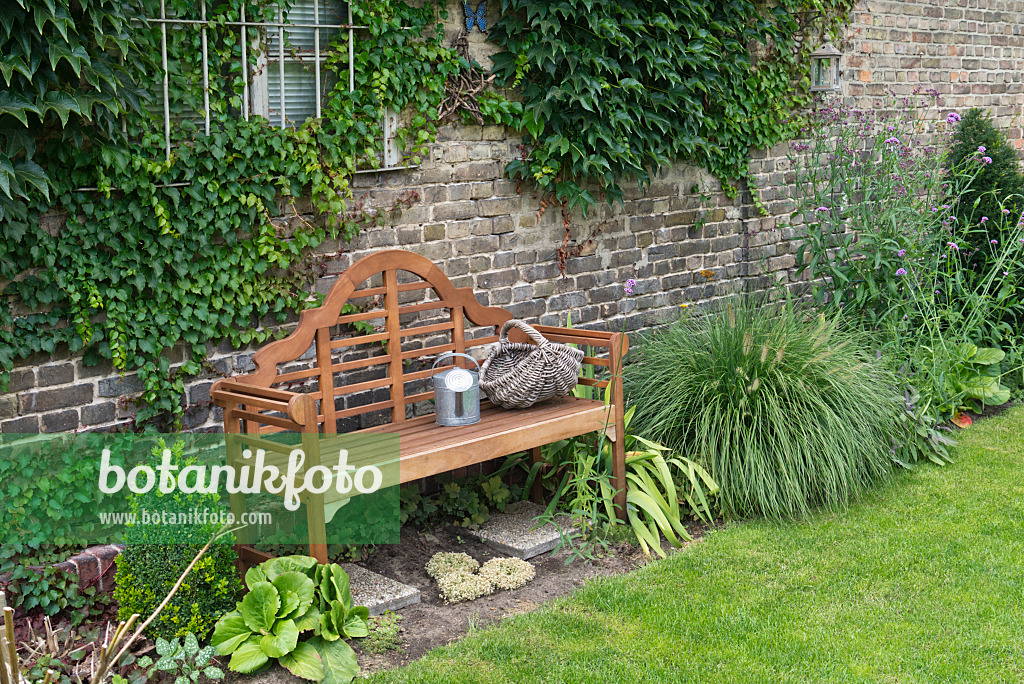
column 918, row 582
column 785, row 409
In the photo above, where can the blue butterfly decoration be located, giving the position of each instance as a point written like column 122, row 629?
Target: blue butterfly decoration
column 479, row 17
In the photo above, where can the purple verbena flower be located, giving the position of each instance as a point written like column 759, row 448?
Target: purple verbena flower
column 981, row 149
column 901, row 271
column 822, row 209
column 953, row 245
column 630, row 284
column 952, row 117
column 984, row 219
column 892, row 141
column 986, row 160
column 901, row 253
column 993, row 242
column 1005, row 212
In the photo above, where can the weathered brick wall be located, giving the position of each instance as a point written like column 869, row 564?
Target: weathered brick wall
column 682, row 239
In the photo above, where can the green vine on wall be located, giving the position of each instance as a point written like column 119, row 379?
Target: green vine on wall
column 613, row 91
column 155, row 254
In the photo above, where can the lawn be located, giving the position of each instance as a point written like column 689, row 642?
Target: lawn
column 923, row 581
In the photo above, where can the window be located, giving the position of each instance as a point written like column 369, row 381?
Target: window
column 284, row 49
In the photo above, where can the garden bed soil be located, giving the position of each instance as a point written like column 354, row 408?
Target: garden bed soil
column 433, row 623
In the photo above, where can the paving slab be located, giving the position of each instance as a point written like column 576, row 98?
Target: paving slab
column 377, row 592
column 515, row 532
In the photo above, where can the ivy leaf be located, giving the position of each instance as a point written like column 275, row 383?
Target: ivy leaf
column 17, row 106
column 31, row 173
column 62, row 104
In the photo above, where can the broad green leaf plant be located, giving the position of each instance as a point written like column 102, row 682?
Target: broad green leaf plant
column 287, row 597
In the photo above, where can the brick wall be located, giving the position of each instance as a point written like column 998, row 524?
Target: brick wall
column 682, row 246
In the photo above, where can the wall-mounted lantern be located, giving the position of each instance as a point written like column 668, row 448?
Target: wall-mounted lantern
column 825, row 68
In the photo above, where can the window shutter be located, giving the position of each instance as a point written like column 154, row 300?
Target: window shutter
column 299, row 55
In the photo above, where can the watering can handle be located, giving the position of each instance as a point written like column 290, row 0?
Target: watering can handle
column 447, row 355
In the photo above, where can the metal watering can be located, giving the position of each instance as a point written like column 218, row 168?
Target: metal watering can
column 456, row 393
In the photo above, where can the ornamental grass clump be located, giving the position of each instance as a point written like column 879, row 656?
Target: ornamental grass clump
column 787, row 410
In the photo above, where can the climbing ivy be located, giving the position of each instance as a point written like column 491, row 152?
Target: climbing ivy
column 612, row 91
column 158, row 258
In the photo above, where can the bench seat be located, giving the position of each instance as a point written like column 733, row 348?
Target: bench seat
column 426, row 448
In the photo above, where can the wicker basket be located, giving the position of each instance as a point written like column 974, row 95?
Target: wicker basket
column 518, row 375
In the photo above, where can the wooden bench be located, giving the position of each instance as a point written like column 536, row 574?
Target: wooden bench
column 395, row 289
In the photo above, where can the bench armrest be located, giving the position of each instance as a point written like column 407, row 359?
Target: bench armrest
column 616, row 343
column 298, row 411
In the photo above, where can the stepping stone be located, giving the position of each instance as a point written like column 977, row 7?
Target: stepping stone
column 512, row 532
column 377, row 592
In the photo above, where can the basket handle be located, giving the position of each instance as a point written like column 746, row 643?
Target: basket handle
column 526, row 328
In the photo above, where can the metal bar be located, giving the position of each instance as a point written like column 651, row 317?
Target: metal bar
column 206, row 72
column 167, row 96
column 271, row 24
column 245, row 66
column 351, row 50
column 316, row 52
column 186, row 184
column 280, row 63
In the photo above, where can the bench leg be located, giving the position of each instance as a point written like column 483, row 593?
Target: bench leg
column 537, row 490
column 617, row 347
column 317, row 526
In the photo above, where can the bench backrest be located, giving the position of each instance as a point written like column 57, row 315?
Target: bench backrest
column 391, row 290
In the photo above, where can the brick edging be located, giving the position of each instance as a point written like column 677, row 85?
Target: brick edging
column 95, row 566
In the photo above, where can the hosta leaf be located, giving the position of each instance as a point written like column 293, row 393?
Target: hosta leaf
column 279, row 566
column 339, row 580
column 260, row 606
column 356, row 625
column 300, row 586
column 340, row 666
column 308, row 621
column 289, row 603
column 253, row 575
column 249, row 657
column 230, row 632
column 282, row 641
column 304, row 662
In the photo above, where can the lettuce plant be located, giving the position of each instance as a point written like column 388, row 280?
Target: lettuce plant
column 288, row 596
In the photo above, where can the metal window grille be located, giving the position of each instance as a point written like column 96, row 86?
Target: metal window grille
column 279, row 88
